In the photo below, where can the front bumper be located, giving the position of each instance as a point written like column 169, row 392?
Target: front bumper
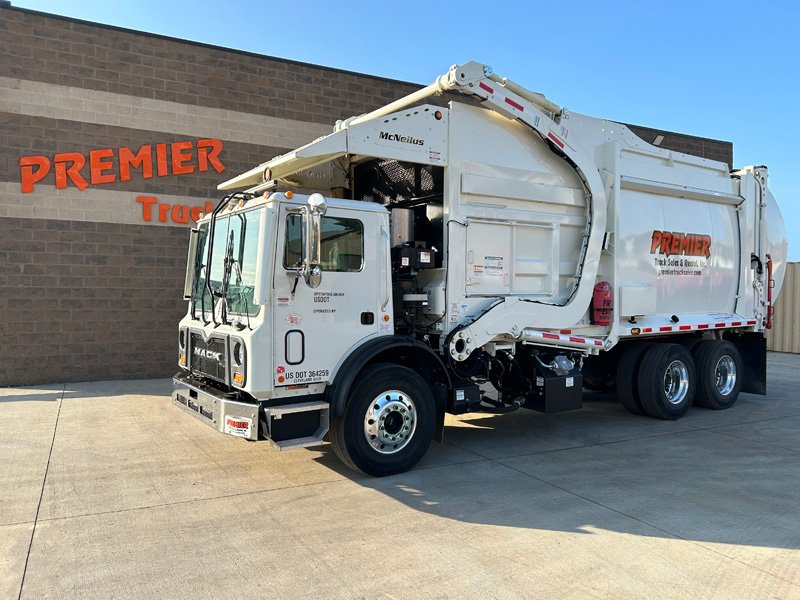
column 215, row 408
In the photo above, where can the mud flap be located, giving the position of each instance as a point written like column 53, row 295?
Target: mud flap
column 753, row 348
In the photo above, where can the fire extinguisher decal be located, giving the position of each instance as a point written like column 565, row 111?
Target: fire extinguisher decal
column 602, row 303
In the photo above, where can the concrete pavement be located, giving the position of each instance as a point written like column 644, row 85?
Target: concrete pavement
column 107, row 490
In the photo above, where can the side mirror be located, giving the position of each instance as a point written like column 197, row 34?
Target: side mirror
column 188, row 284
column 316, row 208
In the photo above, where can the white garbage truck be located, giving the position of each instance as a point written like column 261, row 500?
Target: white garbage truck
column 440, row 250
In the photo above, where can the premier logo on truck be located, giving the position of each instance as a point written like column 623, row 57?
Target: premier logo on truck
column 672, row 243
column 405, row 139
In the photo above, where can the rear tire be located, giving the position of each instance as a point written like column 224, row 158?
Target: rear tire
column 388, row 421
column 628, row 376
column 719, row 374
column 667, row 381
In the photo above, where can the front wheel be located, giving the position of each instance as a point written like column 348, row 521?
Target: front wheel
column 388, row 422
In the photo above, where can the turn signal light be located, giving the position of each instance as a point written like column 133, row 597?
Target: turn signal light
column 182, row 359
column 238, row 377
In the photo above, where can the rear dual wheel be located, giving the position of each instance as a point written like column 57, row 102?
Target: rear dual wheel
column 719, row 370
column 667, row 381
column 663, row 379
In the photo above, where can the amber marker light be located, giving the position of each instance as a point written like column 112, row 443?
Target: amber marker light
column 437, row 115
column 289, row 194
column 635, row 331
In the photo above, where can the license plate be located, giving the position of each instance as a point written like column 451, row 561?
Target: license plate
column 238, row 426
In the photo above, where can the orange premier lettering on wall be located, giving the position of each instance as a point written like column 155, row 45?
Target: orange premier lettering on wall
column 109, row 165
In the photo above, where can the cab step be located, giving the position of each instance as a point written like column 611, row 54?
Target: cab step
column 297, row 425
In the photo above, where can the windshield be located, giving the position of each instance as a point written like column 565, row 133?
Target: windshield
column 235, row 238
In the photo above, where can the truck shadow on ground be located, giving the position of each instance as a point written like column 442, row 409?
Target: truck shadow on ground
column 602, row 469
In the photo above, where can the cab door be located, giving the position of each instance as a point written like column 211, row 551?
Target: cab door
column 315, row 328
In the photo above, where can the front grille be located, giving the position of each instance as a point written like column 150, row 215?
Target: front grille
column 209, row 357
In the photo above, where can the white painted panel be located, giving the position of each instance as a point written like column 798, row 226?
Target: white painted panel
column 535, row 267
column 488, row 258
column 683, row 282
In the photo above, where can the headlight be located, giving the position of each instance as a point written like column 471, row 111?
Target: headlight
column 238, row 353
column 182, row 339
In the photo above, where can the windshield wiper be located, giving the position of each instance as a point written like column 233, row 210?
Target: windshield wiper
column 242, row 297
column 202, row 296
column 227, row 263
column 210, row 252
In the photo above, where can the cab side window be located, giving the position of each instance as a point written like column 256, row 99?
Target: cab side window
column 342, row 249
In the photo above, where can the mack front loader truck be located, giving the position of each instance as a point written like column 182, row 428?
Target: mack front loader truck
column 358, row 288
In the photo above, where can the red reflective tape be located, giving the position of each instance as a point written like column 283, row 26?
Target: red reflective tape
column 577, row 340
column 665, row 328
column 703, row 326
column 551, row 336
column 719, row 324
column 555, row 140
column 648, row 329
column 519, row 107
column 751, row 322
column 483, row 86
column 685, row 327
column 736, row 324
column 598, row 343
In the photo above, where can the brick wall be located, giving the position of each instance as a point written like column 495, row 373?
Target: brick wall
column 84, row 300
column 87, row 289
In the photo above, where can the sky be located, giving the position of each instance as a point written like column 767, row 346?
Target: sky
column 726, row 70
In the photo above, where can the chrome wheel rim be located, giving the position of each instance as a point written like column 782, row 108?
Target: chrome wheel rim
column 676, row 382
column 725, row 375
column 390, row 422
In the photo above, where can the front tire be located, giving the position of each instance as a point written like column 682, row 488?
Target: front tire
column 388, row 422
column 667, row 381
column 719, row 374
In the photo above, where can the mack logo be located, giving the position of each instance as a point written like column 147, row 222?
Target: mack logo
column 205, row 353
column 405, row 139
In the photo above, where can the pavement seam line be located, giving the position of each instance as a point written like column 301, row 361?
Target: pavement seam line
column 643, row 522
column 224, row 496
column 744, row 439
column 41, row 492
